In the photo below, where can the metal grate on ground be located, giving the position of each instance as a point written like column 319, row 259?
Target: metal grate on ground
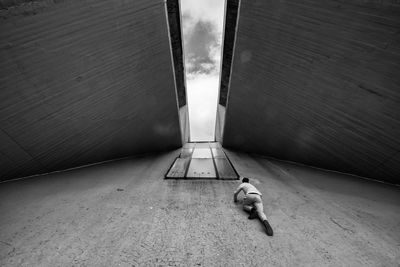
column 205, row 160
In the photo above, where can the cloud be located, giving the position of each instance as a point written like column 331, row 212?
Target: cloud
column 202, row 46
column 205, row 10
column 202, row 33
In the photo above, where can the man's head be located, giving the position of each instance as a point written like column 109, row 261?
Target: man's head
column 245, row 180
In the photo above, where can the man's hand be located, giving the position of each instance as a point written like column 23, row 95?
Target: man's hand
column 235, row 194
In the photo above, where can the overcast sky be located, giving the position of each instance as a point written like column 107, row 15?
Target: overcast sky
column 202, row 23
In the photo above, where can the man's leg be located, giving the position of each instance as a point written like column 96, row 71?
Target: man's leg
column 263, row 218
column 260, row 210
column 248, row 205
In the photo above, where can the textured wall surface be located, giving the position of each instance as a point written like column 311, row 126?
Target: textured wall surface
column 318, row 82
column 82, row 82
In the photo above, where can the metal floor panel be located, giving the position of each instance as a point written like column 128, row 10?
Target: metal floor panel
column 225, row 169
column 186, row 152
column 189, row 145
column 202, row 160
column 202, row 145
column 201, row 168
column 202, row 153
column 215, row 145
column 218, row 153
column 179, row 167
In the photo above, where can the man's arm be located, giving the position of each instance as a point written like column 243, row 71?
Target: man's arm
column 236, row 193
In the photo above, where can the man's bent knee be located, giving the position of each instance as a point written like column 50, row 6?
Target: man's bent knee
column 247, row 207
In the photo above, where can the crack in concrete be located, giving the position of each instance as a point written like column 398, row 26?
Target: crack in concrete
column 344, row 228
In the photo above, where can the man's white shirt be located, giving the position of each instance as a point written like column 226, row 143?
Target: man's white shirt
column 247, row 188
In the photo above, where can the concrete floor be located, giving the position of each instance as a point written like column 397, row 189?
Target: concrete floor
column 125, row 214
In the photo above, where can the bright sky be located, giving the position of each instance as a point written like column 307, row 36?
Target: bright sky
column 202, row 23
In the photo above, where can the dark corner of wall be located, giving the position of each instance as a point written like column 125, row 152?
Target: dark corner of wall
column 232, row 8
column 174, row 20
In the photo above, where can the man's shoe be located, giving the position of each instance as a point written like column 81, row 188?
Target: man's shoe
column 268, row 228
column 253, row 213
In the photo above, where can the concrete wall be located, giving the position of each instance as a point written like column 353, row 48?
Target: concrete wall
column 82, row 82
column 317, row 82
column 184, row 120
column 230, row 24
column 175, row 29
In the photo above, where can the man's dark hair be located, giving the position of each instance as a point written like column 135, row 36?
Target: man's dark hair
column 245, row 180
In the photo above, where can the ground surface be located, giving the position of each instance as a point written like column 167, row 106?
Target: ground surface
column 125, row 214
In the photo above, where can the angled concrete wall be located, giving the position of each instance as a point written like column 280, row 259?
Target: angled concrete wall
column 230, row 24
column 82, row 82
column 175, row 31
column 219, row 123
column 174, row 21
column 317, row 82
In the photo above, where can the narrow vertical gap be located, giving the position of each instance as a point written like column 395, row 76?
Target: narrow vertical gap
column 202, row 27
